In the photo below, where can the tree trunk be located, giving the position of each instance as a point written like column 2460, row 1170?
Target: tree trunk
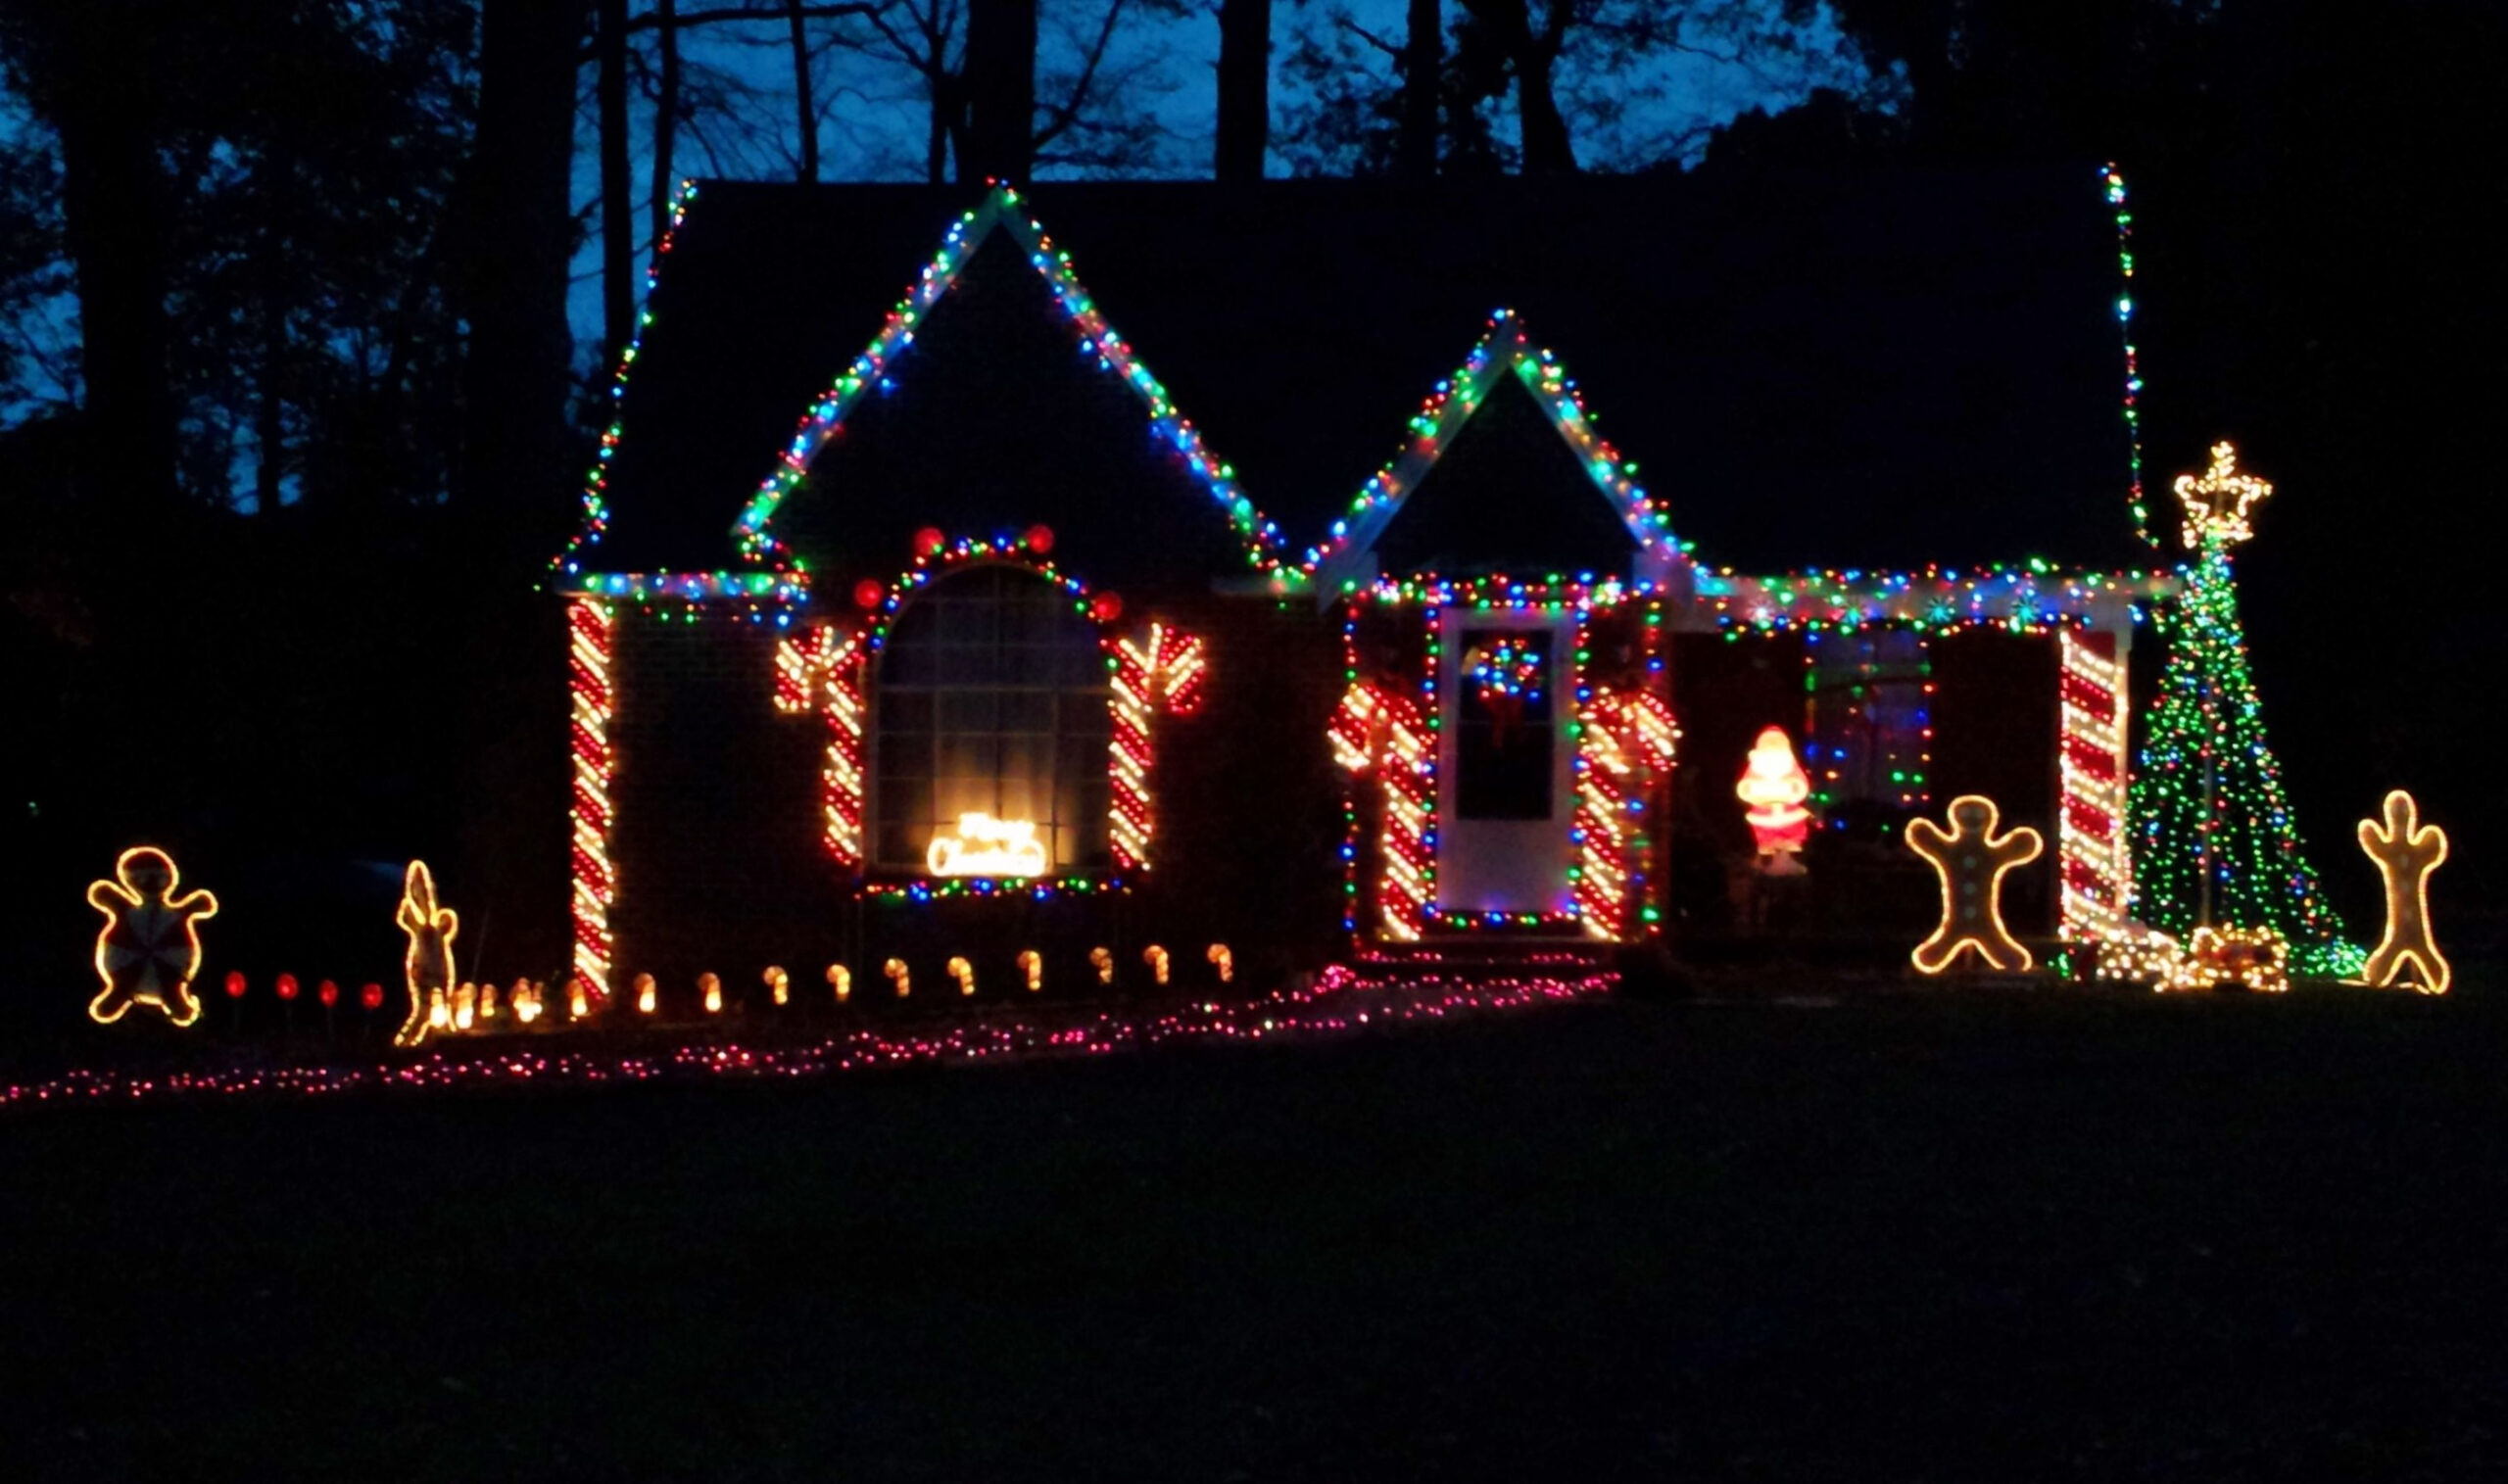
column 617, row 205
column 804, row 102
column 112, row 199
column 1423, row 74
column 1000, row 90
column 936, row 140
column 1546, row 149
column 665, row 114
column 1244, row 89
column 519, row 237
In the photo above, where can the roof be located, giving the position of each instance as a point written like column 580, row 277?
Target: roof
column 1890, row 368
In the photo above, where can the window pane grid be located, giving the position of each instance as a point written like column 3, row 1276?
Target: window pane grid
column 992, row 699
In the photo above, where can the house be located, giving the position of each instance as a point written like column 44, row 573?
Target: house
column 971, row 574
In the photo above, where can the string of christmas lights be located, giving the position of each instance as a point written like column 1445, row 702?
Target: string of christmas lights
column 1865, row 739
column 592, row 630
column 840, row 780
column 1343, row 1000
column 2114, row 181
column 1001, row 210
column 2214, row 838
column 1377, row 730
column 596, row 520
column 2032, row 598
column 757, row 596
column 1502, row 349
column 2094, row 861
column 819, row 665
column 1162, row 674
column 1627, row 748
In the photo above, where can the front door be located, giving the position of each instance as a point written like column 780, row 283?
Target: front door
column 1505, row 688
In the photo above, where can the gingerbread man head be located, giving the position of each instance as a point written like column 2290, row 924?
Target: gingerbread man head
column 147, row 873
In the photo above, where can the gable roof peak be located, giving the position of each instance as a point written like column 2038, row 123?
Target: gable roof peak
column 1505, row 348
column 1005, row 210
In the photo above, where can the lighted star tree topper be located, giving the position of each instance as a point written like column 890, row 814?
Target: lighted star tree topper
column 2216, row 844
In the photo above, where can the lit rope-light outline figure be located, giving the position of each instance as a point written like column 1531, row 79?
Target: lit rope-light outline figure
column 1974, row 819
column 427, row 963
column 120, row 898
column 2219, row 500
column 2258, row 958
column 2405, row 850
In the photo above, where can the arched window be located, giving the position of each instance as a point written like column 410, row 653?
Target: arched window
column 990, row 699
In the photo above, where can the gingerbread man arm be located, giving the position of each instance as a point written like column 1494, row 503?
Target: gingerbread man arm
column 200, row 904
column 111, row 899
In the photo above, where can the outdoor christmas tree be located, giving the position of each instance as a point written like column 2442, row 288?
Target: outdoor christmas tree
column 2215, row 843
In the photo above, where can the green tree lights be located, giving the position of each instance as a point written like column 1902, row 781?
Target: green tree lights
column 2215, row 841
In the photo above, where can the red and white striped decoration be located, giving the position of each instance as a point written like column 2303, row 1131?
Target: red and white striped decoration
column 819, row 664
column 1373, row 729
column 2093, row 853
column 1161, row 673
column 1628, row 744
column 841, row 780
column 591, row 631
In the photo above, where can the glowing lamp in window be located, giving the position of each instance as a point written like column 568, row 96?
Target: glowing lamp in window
column 987, row 847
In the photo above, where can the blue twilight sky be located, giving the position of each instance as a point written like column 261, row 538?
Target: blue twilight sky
column 1160, row 66
column 874, row 115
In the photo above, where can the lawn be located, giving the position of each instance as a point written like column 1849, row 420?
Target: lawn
column 1919, row 1236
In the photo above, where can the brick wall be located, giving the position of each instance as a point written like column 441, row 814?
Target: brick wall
column 718, row 833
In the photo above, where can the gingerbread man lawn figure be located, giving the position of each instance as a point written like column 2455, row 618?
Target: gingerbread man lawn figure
column 2406, row 852
column 1972, row 861
column 150, row 947
column 429, row 961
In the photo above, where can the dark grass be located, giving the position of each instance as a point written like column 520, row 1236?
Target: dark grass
column 2017, row 1237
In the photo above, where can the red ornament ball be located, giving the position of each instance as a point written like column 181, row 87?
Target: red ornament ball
column 287, row 986
column 869, row 592
column 1106, row 608
column 1041, row 538
column 328, row 993
column 929, row 541
column 234, row 983
column 371, row 996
